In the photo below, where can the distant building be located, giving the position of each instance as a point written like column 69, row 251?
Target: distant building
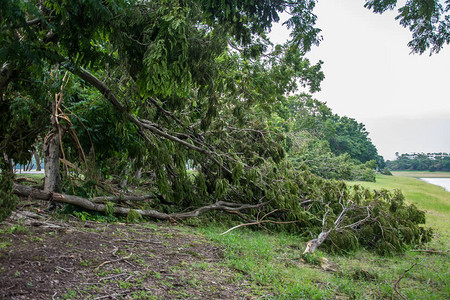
column 432, row 156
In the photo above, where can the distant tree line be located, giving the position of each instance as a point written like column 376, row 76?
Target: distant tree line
column 420, row 162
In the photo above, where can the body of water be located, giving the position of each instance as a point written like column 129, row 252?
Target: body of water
column 443, row 182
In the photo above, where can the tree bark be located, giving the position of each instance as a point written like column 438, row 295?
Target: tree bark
column 138, row 174
column 52, row 177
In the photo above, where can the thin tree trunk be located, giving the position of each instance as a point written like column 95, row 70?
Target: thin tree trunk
column 38, row 160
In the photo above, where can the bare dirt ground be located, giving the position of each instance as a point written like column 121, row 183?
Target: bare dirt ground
column 90, row 260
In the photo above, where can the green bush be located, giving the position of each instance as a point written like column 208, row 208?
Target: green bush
column 386, row 171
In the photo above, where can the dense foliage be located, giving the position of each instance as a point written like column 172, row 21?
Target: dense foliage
column 155, row 86
column 420, row 162
column 330, row 146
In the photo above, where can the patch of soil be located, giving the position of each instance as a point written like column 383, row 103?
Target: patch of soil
column 89, row 260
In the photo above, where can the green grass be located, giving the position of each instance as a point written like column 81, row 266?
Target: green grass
column 271, row 263
column 431, row 198
column 29, row 176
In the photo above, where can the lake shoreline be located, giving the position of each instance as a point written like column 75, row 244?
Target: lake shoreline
column 441, row 182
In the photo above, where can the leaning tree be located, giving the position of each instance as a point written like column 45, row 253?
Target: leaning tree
column 185, row 75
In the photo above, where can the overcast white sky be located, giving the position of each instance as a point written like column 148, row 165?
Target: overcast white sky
column 370, row 75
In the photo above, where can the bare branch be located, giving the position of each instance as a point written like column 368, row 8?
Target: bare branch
column 400, row 278
column 260, row 221
column 312, row 245
column 113, row 261
column 360, row 222
column 257, row 223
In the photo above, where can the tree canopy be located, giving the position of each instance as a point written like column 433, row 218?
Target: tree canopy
column 428, row 21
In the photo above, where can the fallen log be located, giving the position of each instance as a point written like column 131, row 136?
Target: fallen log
column 26, row 191
column 132, row 198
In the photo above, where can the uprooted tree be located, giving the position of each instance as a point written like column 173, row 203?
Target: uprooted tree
column 153, row 87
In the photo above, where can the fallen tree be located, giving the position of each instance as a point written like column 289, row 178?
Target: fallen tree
column 351, row 217
column 160, row 85
column 26, row 191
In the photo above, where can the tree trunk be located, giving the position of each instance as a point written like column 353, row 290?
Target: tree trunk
column 312, row 245
column 52, row 177
column 138, row 174
column 27, row 191
column 38, row 160
column 123, row 184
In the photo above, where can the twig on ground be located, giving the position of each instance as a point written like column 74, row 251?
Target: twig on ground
column 400, row 278
column 130, row 263
column 110, row 296
column 111, row 276
column 113, row 261
column 431, row 251
column 115, row 251
column 65, row 270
